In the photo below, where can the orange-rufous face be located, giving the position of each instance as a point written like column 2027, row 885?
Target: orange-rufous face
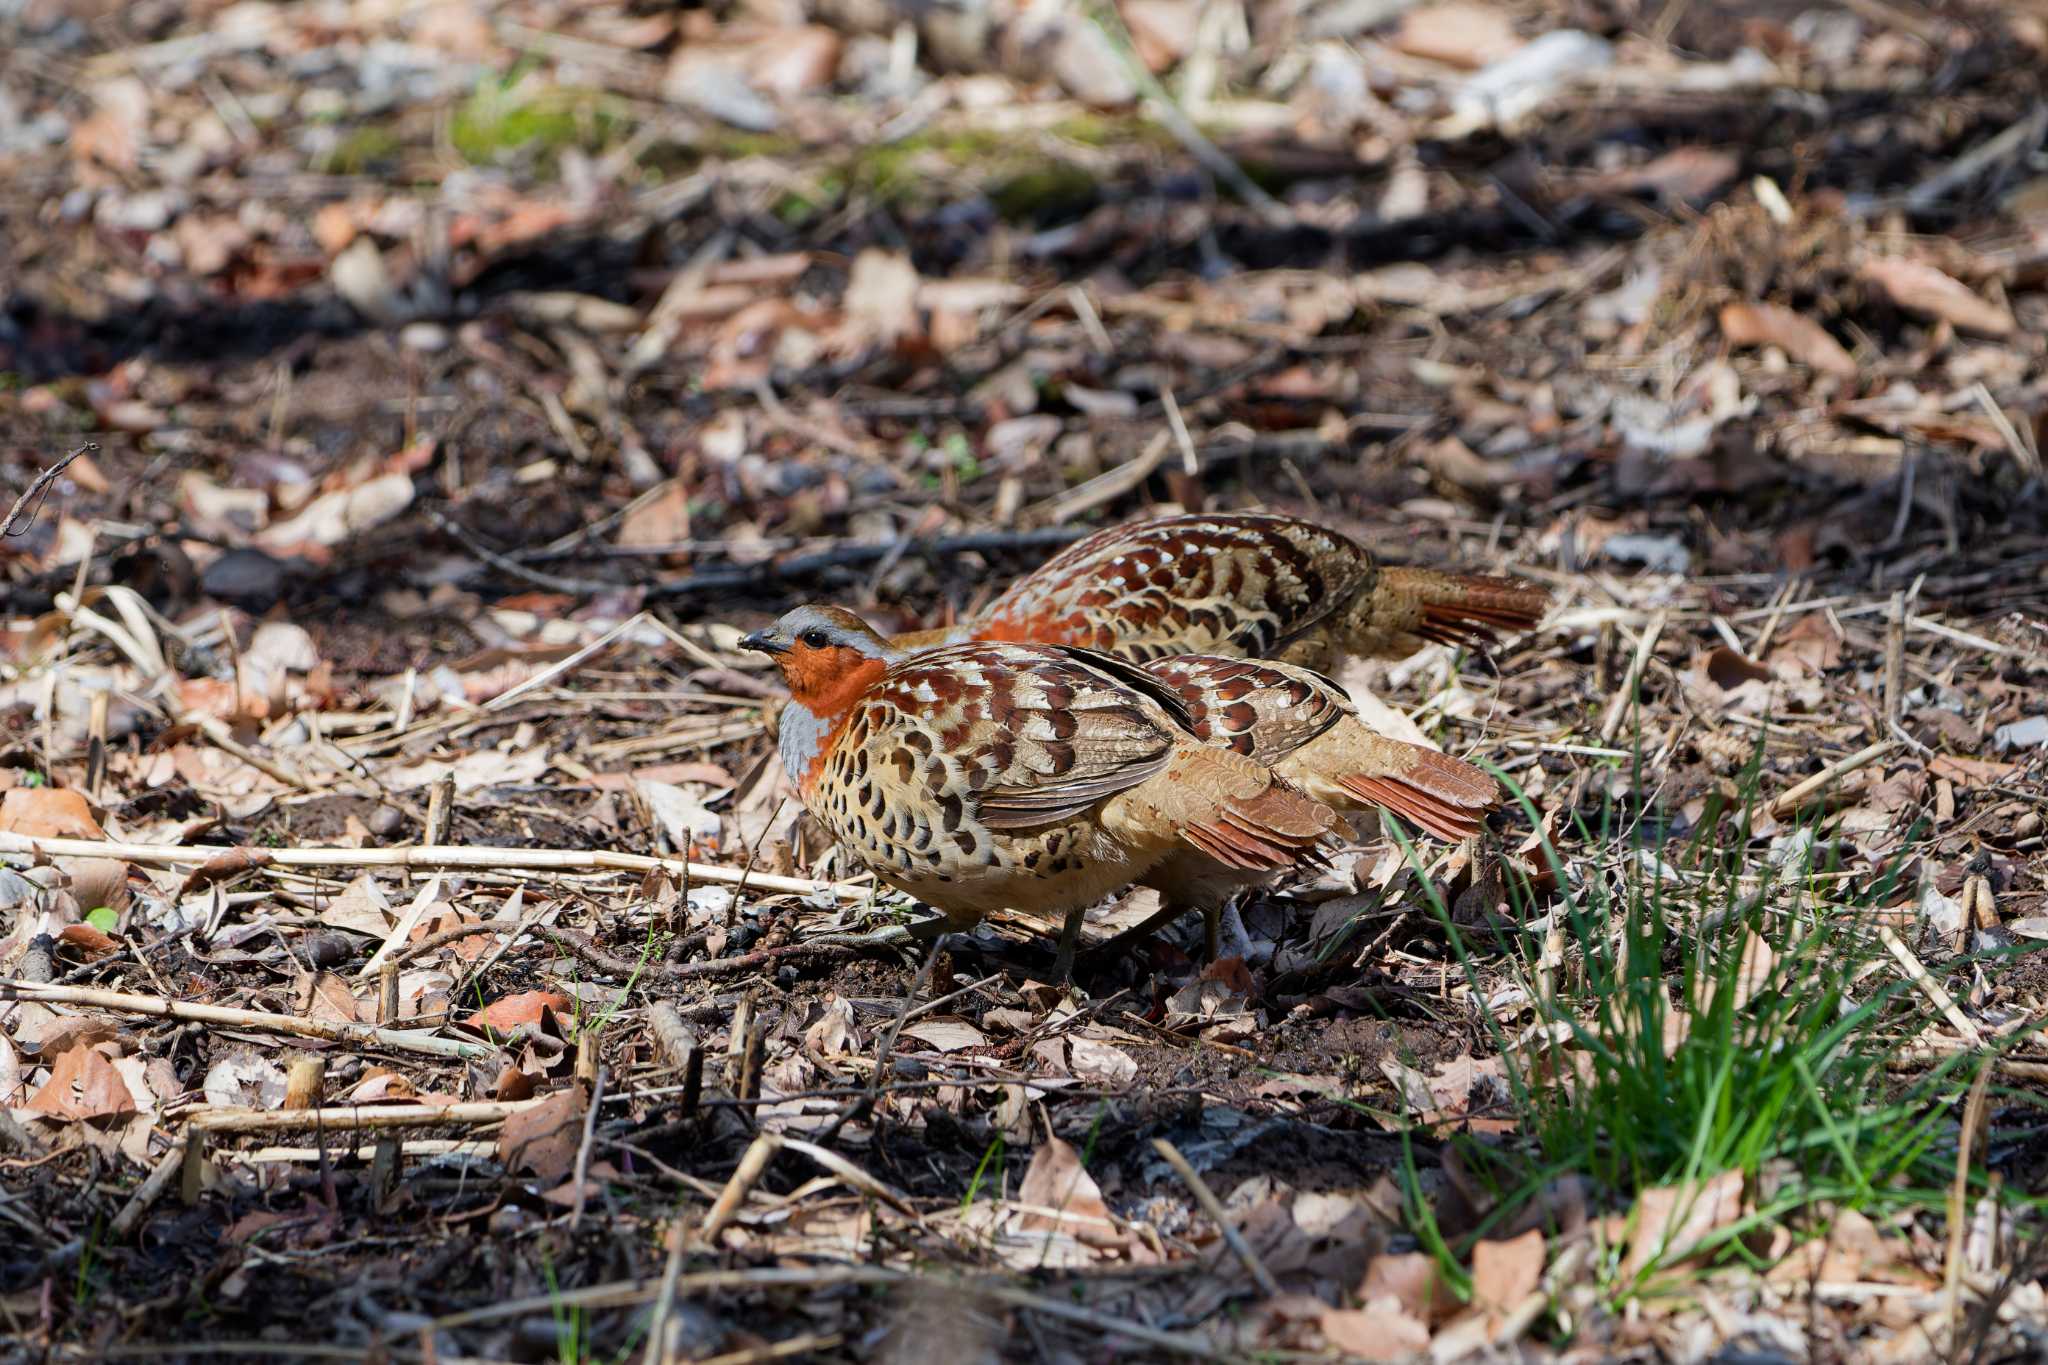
column 829, row 680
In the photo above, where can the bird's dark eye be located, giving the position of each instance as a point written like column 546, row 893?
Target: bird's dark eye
column 814, row 638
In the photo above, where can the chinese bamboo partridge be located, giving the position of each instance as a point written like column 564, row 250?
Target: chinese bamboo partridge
column 1243, row 584
column 1038, row 779
column 1302, row 726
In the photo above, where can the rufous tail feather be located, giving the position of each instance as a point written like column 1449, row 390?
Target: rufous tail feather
column 1407, row 606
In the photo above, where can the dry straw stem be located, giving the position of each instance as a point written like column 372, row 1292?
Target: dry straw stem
column 345, row 1118
column 362, row 1035
column 1212, row 1206
column 1618, row 704
column 1792, row 799
column 426, row 856
column 1932, row 989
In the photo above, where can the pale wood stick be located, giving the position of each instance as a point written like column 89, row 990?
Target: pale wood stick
column 1958, row 1197
column 1213, row 1206
column 411, row 1147
column 362, row 1035
column 216, row 1121
column 1932, row 989
column 1618, row 705
column 150, row 1190
column 752, row 1162
column 1790, row 801
column 306, row 1083
column 424, row 855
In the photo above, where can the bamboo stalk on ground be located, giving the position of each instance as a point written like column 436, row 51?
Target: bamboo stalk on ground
column 426, row 856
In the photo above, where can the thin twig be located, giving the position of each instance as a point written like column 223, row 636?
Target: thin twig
column 752, row 1162
column 1213, row 1206
column 40, row 491
column 362, row 1035
column 1936, row 994
column 418, row 856
column 1792, row 799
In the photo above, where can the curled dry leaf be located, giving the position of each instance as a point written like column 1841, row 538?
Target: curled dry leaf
column 528, row 1007
column 48, row 813
column 1062, row 1194
column 222, row 866
column 1505, row 1273
column 83, row 1084
column 1806, row 341
column 544, row 1139
column 1669, row 1221
column 89, row 941
column 1919, row 288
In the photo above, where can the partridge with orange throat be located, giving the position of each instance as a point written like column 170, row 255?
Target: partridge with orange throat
column 1301, row 725
column 1244, row 584
column 988, row 776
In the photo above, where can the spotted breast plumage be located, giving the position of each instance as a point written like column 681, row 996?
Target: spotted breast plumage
column 1243, row 584
column 1040, row 779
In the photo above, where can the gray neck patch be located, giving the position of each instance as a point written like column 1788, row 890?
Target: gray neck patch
column 799, row 737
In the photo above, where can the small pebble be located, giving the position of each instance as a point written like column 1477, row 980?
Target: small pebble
column 424, row 336
column 327, row 949
column 385, row 821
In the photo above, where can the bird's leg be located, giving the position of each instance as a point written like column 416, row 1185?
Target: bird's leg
column 1070, row 939
column 1153, row 923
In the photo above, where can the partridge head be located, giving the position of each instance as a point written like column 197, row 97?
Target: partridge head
column 990, row 775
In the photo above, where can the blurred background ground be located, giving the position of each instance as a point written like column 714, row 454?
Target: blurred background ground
column 462, row 378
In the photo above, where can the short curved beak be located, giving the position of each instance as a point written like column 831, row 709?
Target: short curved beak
column 764, row 641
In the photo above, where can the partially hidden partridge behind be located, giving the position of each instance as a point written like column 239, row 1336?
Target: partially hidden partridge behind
column 1038, row 779
column 1247, row 585
column 1301, row 725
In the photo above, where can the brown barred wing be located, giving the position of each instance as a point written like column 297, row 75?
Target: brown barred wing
column 1024, row 737
column 1234, row 584
column 1263, row 710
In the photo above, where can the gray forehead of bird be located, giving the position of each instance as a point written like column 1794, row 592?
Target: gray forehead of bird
column 840, row 627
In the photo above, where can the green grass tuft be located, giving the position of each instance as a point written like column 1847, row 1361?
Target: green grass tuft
column 1715, row 1011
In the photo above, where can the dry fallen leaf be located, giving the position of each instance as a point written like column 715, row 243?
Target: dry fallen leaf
column 528, row 1007
column 881, row 300
column 1669, row 1221
column 333, row 517
column 48, row 813
column 544, row 1139
column 89, row 941
column 1056, row 1180
column 83, row 1084
column 1379, row 1331
column 245, row 1080
column 1919, row 288
column 1806, row 341
column 1462, row 35
column 1505, row 1273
